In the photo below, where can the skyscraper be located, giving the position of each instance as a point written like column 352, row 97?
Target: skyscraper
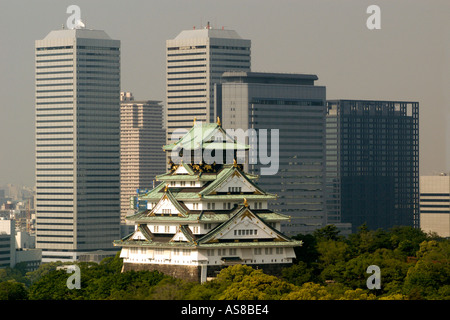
column 196, row 60
column 142, row 137
column 296, row 107
column 373, row 163
column 77, row 143
column 435, row 204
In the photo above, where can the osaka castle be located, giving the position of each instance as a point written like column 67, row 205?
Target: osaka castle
column 204, row 216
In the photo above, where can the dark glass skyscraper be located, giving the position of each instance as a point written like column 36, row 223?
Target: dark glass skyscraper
column 373, row 163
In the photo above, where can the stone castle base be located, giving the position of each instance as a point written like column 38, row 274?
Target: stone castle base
column 193, row 273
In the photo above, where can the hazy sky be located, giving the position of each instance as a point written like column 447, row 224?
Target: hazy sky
column 407, row 59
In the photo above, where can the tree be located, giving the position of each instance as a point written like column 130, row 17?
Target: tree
column 51, row 286
column 257, row 286
column 307, row 252
column 329, row 232
column 309, row 291
column 406, row 240
column 298, row 273
column 12, row 290
column 429, row 277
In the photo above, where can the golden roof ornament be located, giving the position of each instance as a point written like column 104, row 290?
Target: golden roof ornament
column 234, row 163
column 245, row 202
column 166, row 188
column 218, row 121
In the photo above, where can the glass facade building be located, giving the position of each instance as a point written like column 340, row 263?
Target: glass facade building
column 77, row 143
column 293, row 106
column 372, row 154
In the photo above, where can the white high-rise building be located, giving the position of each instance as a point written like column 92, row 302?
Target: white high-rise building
column 77, row 143
column 196, row 60
column 435, row 204
column 141, row 140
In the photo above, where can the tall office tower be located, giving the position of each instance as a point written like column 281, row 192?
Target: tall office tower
column 292, row 104
column 196, row 60
column 141, row 140
column 77, row 143
column 435, row 204
column 373, row 163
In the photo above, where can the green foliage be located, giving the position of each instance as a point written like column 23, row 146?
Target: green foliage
column 413, row 265
column 257, row 286
column 13, row 290
column 298, row 273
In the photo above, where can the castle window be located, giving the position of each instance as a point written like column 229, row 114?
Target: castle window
column 192, row 183
column 234, row 189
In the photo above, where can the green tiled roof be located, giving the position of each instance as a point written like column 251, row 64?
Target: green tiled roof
column 199, row 136
column 202, row 216
column 240, row 210
column 128, row 243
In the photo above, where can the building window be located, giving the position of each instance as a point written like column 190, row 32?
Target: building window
column 279, row 250
column 232, row 252
column 176, row 252
column 166, row 229
column 186, row 252
column 246, row 232
column 257, row 251
column 210, row 252
column 234, row 189
column 268, row 251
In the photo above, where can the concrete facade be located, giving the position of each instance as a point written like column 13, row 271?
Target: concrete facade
column 435, row 204
column 141, row 139
column 196, row 60
column 77, row 143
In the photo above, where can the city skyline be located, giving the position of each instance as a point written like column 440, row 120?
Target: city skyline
column 407, row 59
